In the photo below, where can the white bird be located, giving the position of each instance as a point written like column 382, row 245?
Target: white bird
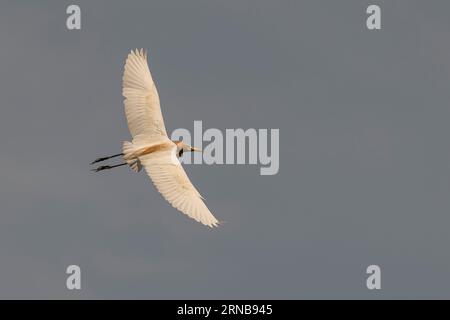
column 150, row 147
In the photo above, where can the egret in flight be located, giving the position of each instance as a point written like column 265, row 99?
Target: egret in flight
column 150, row 147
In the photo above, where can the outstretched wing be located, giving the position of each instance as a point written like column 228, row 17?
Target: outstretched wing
column 172, row 182
column 141, row 98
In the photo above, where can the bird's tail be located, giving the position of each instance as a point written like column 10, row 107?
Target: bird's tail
column 128, row 149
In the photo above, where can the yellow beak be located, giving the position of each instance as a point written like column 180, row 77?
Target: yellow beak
column 196, row 149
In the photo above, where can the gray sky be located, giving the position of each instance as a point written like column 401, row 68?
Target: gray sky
column 364, row 155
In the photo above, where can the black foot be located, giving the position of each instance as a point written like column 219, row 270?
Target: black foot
column 101, row 168
column 99, row 160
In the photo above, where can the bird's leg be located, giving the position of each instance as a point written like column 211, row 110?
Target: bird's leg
column 108, row 167
column 106, row 158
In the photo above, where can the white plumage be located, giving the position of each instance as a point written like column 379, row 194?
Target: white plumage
column 151, row 147
column 142, row 101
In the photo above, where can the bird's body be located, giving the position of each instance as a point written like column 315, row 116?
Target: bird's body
column 151, row 148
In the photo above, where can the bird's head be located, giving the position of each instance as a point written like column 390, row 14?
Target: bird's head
column 184, row 147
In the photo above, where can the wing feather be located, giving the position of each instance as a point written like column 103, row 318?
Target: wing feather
column 172, row 182
column 142, row 107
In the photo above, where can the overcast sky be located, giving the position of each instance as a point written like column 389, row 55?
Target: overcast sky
column 364, row 149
